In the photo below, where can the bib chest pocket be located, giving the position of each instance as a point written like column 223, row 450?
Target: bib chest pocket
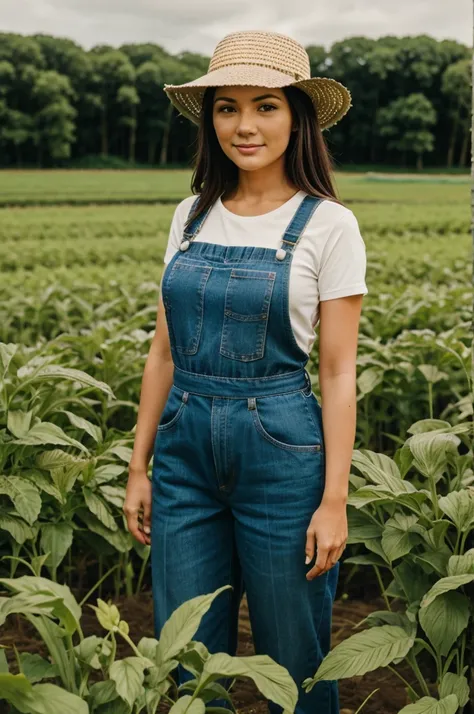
column 246, row 309
column 183, row 296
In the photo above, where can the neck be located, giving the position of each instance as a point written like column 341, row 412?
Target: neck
column 267, row 184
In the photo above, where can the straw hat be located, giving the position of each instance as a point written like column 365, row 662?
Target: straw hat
column 262, row 59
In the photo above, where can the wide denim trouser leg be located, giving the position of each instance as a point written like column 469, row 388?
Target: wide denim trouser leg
column 193, row 552
column 210, row 531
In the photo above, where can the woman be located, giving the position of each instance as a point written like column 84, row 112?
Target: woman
column 247, row 488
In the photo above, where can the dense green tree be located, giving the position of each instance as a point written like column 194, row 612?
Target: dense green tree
column 456, row 85
column 405, row 123
column 58, row 100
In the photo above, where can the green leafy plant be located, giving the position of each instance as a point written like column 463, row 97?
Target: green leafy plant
column 414, row 515
column 122, row 686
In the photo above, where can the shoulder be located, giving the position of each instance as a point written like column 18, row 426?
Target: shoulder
column 333, row 214
column 183, row 208
column 333, row 222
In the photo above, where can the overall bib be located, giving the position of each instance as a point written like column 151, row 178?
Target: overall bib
column 238, row 467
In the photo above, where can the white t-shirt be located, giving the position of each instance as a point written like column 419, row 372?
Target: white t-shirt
column 328, row 262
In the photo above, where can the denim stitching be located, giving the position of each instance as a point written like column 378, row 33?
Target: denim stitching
column 276, row 442
column 261, row 330
column 206, row 271
column 163, row 427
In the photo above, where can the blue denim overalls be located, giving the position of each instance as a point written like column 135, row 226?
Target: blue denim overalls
column 238, row 467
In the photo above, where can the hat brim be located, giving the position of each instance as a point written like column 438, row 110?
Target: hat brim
column 331, row 99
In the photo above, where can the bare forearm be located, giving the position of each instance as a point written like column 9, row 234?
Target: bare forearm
column 339, row 408
column 156, row 384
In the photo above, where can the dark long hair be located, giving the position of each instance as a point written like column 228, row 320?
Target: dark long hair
column 308, row 163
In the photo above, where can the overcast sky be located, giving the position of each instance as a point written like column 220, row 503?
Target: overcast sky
column 197, row 25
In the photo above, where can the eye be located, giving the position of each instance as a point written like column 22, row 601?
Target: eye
column 260, row 107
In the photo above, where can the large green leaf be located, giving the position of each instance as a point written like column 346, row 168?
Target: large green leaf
column 179, row 629
column 24, row 495
column 273, row 680
column 388, row 617
column 99, row 508
column 50, row 699
column 361, row 527
column 413, row 581
column 36, row 604
column 44, row 483
column 55, row 458
column 66, row 609
column 19, row 422
column 461, row 564
column 428, row 705
column 364, row 652
column 430, row 452
column 35, row 668
column 7, row 352
column 128, row 677
column 436, row 560
column 88, row 650
column 459, row 507
column 119, row 539
column 39, row 698
column 400, row 535
column 455, row 684
column 67, row 373
column 56, row 539
column 18, row 529
column 444, row 620
column 452, row 582
column 64, row 477
column 108, row 472
column 184, row 704
column 428, row 425
column 193, row 657
column 377, row 468
column 81, row 423
column 436, row 535
column 47, row 433
column 147, row 647
column 103, row 692
column 113, row 494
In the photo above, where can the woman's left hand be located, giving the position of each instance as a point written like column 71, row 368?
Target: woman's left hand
column 326, row 535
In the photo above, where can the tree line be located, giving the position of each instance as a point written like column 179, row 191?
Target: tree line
column 59, row 103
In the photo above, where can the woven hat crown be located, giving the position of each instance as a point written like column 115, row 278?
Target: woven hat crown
column 263, row 49
column 262, row 59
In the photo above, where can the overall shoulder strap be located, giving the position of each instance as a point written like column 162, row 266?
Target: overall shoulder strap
column 196, row 225
column 300, row 220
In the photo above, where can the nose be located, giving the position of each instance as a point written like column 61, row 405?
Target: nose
column 246, row 124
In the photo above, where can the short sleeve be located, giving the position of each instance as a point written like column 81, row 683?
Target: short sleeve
column 343, row 261
column 175, row 234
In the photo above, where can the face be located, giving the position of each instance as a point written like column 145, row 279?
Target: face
column 252, row 115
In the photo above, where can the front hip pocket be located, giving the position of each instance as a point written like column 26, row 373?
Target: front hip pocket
column 246, row 309
column 285, row 421
column 183, row 296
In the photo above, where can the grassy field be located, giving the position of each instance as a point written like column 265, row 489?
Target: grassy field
column 103, row 187
column 66, row 267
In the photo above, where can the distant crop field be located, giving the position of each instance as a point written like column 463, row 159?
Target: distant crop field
column 43, row 188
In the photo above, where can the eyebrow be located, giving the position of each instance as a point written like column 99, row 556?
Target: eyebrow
column 255, row 99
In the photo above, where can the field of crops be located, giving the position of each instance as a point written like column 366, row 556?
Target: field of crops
column 80, row 288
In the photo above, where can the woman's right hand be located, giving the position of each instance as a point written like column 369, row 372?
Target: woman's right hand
column 137, row 505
